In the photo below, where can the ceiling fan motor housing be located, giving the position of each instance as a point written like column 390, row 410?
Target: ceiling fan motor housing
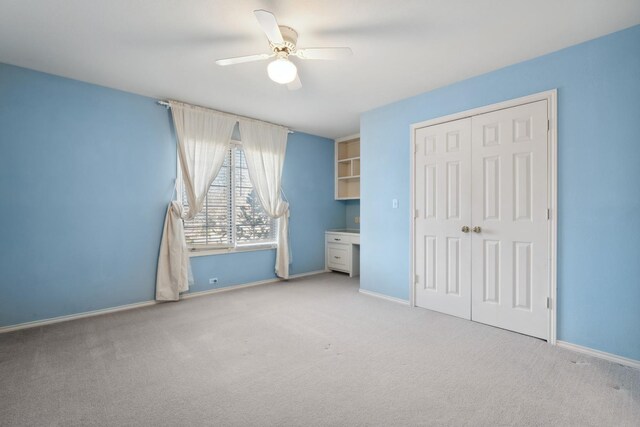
column 290, row 37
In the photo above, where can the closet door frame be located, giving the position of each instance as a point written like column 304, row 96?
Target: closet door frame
column 552, row 193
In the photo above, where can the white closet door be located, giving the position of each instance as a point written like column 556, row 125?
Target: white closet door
column 510, row 267
column 443, row 207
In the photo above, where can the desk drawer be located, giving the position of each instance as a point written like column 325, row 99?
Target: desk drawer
column 338, row 256
column 338, row 238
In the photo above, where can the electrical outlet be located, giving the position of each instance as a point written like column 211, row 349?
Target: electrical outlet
column 394, row 203
column 213, row 281
column 357, row 220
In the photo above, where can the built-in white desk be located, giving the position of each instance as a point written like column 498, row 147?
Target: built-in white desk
column 342, row 251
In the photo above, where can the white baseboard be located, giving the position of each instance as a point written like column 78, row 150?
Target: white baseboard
column 247, row 285
column 311, row 273
column 37, row 323
column 68, row 317
column 383, row 296
column 600, row 354
column 190, row 295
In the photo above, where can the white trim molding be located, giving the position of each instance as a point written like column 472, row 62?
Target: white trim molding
column 383, row 296
column 197, row 252
column 632, row 363
column 66, row 318
column 551, row 97
column 60, row 319
column 190, row 295
column 311, row 273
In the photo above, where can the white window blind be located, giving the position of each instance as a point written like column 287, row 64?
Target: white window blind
column 232, row 215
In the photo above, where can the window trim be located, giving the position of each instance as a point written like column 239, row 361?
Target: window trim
column 205, row 250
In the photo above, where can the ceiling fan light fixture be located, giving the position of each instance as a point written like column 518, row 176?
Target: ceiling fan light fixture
column 283, row 42
column 282, row 71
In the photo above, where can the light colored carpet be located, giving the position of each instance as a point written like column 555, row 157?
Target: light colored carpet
column 311, row 351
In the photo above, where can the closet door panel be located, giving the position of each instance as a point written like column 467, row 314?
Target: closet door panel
column 509, row 215
column 443, row 207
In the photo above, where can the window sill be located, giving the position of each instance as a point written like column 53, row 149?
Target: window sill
column 222, row 251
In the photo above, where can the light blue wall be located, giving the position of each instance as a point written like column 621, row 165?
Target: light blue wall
column 598, row 186
column 86, row 173
column 352, row 208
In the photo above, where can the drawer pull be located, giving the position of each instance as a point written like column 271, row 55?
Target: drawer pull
column 336, row 257
column 336, row 239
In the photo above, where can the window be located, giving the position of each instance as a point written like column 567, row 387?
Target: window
column 232, row 215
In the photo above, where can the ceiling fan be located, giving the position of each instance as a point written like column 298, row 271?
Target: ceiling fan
column 282, row 41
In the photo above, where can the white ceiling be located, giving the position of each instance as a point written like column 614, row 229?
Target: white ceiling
column 167, row 48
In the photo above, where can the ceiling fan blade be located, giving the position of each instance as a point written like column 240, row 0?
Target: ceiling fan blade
column 324, row 53
column 241, row 59
column 296, row 84
column 269, row 25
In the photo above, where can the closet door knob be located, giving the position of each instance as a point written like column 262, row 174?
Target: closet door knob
column 465, row 229
column 477, row 229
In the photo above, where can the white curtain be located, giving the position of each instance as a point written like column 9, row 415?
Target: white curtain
column 173, row 274
column 203, row 140
column 264, row 147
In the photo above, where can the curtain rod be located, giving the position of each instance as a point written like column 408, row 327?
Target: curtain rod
column 167, row 105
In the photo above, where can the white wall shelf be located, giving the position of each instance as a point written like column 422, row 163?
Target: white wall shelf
column 347, row 174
